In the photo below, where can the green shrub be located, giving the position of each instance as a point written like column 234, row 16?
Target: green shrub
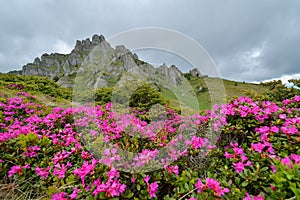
column 37, row 84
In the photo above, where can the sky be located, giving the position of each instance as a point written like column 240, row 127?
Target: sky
column 249, row 40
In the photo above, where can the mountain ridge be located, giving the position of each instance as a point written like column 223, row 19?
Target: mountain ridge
column 107, row 64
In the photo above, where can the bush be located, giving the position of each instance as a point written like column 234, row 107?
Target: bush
column 144, row 97
column 37, row 84
column 278, row 92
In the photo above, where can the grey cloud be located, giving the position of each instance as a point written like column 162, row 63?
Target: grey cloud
column 226, row 29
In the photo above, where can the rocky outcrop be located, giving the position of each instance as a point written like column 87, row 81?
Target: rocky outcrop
column 62, row 67
column 100, row 65
column 196, row 72
column 173, row 74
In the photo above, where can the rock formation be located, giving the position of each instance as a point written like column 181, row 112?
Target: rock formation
column 101, row 64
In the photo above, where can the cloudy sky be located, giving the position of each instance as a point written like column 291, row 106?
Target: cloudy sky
column 249, row 40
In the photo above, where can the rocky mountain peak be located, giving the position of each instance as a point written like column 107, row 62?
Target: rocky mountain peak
column 105, row 64
column 96, row 39
column 87, row 45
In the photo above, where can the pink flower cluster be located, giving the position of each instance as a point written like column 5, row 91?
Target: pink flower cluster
column 61, row 169
column 144, row 157
column 212, row 184
column 60, row 156
column 31, row 151
column 258, row 197
column 152, row 187
column 85, row 169
column 109, row 156
column 260, row 147
column 172, row 169
column 290, row 160
column 43, row 172
column 21, row 117
column 199, row 142
column 17, row 170
column 238, row 153
column 112, row 187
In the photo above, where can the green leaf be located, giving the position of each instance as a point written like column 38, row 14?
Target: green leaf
column 296, row 192
column 130, row 195
column 90, row 197
column 245, row 183
column 264, row 169
column 242, row 175
column 290, row 176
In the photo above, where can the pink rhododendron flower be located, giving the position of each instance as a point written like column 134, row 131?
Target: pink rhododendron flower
column 199, row 185
column 274, row 129
column 85, row 155
column 215, row 186
column 287, row 161
column 59, row 196
column 85, row 169
column 31, row 151
column 147, row 178
column 13, row 170
column 212, row 184
column 289, row 130
column 228, row 155
column 258, row 147
column 248, row 197
column 17, row 169
column 74, row 193
column 113, row 173
column 145, row 156
column 109, row 156
column 295, row 157
column 116, row 188
column 93, row 133
column 239, row 167
column 26, row 166
column 273, row 168
column 244, row 158
column 282, row 116
column 198, row 142
column 60, row 156
column 132, row 179
column 112, row 187
column 60, row 170
column 238, row 151
column 172, row 169
column 42, row 172
column 152, row 189
column 273, row 188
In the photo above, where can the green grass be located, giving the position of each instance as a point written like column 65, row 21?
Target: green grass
column 9, row 190
column 215, row 90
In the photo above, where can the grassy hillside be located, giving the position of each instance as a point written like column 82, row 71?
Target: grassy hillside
column 49, row 91
column 213, row 86
column 44, row 89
